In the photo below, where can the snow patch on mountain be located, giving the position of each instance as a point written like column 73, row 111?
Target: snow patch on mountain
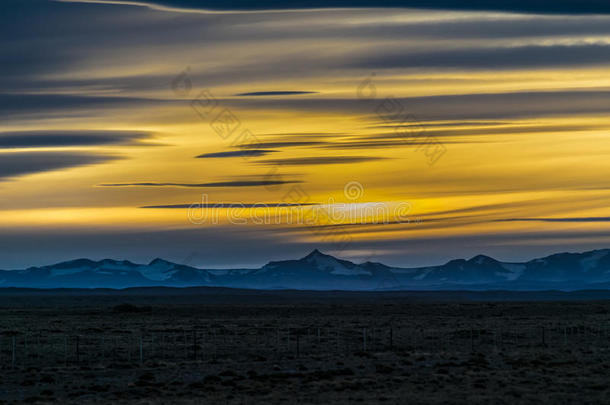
column 66, row 272
column 514, row 270
column 423, row 274
column 333, row 266
column 591, row 262
column 158, row 270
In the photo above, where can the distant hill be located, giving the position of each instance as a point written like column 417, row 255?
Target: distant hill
column 319, row 271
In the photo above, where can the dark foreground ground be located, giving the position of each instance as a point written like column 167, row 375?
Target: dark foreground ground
column 158, row 346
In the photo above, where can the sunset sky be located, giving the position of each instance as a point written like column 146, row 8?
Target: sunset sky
column 479, row 132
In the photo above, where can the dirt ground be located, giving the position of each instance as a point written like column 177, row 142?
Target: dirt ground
column 154, row 350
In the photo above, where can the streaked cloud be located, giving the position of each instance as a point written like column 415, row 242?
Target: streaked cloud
column 23, row 163
column 515, row 57
column 582, row 6
column 276, row 93
column 574, row 219
column 53, row 138
column 320, row 160
column 364, row 144
column 235, row 183
column 236, row 153
column 231, row 205
column 281, row 144
column 519, row 100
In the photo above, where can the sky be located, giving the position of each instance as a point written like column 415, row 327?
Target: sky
column 218, row 134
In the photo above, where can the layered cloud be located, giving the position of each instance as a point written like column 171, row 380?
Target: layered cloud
column 18, row 164
column 233, row 183
column 47, row 139
column 236, row 153
column 208, row 6
column 518, row 101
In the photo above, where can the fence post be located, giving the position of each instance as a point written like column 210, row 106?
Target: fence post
column 14, row 360
column 194, row 345
column 543, row 337
column 186, row 356
column 215, row 344
column 162, row 343
column 141, row 348
column 298, row 344
column 337, row 337
column 501, row 339
column 364, row 339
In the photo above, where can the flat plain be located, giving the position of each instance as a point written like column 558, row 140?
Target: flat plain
column 223, row 346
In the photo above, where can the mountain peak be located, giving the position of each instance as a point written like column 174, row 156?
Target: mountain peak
column 75, row 263
column 317, row 270
column 482, row 259
column 316, row 254
column 159, row 261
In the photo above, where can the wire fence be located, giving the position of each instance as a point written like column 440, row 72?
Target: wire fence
column 44, row 348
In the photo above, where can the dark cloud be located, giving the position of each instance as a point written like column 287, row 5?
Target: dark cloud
column 475, row 27
column 231, row 205
column 446, row 124
column 36, row 139
column 537, row 6
column 573, row 219
column 385, row 144
column 276, row 93
column 487, row 207
column 236, row 183
column 236, row 153
column 426, row 130
column 280, row 144
column 46, row 40
column 444, row 107
column 33, row 105
column 354, row 224
column 19, row 164
column 519, row 57
column 289, row 135
column 475, row 106
column 321, row 160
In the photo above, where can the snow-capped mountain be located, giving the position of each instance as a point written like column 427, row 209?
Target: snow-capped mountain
column 319, row 271
column 85, row 273
column 315, row 271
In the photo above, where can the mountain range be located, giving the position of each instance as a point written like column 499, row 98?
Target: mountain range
column 319, row 271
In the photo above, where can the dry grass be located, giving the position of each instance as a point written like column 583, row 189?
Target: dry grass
column 313, row 353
